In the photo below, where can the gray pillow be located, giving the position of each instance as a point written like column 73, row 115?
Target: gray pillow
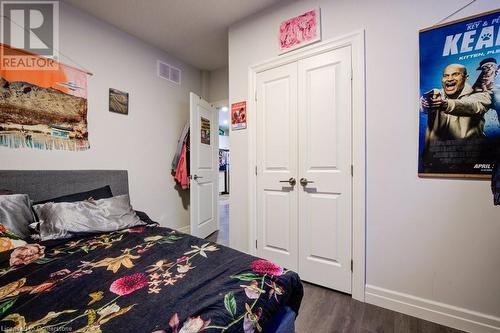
column 16, row 214
column 68, row 219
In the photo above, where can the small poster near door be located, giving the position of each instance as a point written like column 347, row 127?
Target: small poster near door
column 205, row 130
column 239, row 115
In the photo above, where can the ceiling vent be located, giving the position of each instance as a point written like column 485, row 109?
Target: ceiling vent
column 169, row 72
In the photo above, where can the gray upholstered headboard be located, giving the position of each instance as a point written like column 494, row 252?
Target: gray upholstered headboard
column 48, row 184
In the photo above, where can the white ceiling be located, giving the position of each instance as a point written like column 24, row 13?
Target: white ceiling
column 194, row 31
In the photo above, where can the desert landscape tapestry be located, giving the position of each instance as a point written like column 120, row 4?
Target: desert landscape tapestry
column 44, row 109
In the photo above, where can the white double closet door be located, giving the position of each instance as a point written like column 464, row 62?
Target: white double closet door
column 304, row 181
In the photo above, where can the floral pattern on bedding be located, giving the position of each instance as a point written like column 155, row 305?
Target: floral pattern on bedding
column 9, row 240
column 145, row 279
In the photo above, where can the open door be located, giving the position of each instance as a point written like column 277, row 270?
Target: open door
column 204, row 166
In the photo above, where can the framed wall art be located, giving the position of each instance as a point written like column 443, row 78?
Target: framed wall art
column 118, row 101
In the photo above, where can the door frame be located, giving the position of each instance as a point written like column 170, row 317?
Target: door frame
column 356, row 41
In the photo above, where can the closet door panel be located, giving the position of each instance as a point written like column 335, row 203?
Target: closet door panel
column 324, row 117
column 319, row 206
column 276, row 120
column 277, row 207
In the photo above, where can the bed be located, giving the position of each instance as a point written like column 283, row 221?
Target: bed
column 141, row 279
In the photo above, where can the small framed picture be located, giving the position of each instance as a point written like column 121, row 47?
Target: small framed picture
column 118, row 101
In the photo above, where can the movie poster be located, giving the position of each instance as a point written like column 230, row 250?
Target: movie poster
column 43, row 108
column 459, row 131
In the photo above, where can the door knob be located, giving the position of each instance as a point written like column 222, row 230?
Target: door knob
column 290, row 181
column 195, row 177
column 304, row 181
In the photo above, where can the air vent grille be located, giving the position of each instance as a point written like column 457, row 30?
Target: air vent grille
column 169, row 72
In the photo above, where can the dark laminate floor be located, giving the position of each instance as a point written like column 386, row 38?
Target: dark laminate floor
column 327, row 311
column 222, row 236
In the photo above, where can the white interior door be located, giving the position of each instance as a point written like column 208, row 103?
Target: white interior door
column 204, row 166
column 304, row 136
column 277, row 164
column 324, row 102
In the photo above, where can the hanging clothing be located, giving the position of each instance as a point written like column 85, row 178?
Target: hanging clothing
column 181, row 174
column 188, row 152
column 180, row 162
column 495, row 184
column 180, row 142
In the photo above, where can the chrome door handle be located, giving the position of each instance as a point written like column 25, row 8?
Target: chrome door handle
column 195, row 177
column 290, row 181
column 304, row 181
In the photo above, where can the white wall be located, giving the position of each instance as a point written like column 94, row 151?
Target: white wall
column 218, row 85
column 223, row 142
column 142, row 142
column 429, row 238
column 205, row 85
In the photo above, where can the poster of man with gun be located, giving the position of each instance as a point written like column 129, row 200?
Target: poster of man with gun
column 459, row 131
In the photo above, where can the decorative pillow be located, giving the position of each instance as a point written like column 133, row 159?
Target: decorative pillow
column 9, row 240
column 68, row 219
column 16, row 214
column 96, row 194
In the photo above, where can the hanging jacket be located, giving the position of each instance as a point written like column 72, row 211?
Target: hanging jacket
column 181, row 174
column 180, row 143
column 188, row 152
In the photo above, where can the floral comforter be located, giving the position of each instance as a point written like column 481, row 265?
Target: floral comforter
column 145, row 279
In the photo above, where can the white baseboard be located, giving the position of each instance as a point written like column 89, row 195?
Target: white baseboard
column 441, row 313
column 185, row 229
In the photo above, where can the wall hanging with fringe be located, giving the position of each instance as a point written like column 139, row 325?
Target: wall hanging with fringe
column 43, row 108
